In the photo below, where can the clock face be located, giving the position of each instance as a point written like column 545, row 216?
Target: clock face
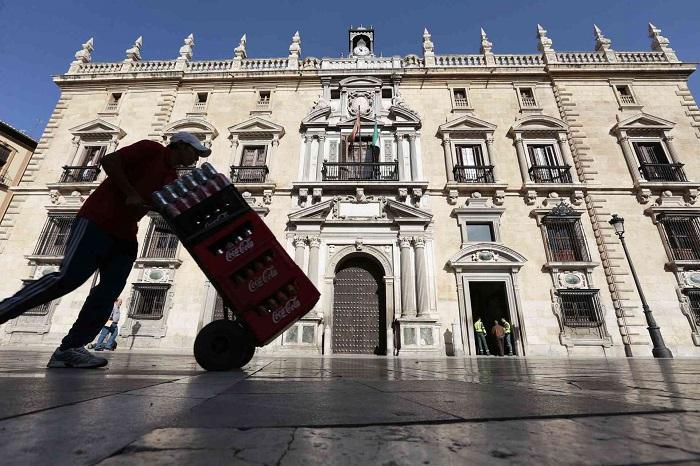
column 361, row 50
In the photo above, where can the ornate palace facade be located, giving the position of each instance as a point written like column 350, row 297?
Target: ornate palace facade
column 488, row 193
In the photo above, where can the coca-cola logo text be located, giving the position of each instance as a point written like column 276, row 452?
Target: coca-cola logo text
column 258, row 282
column 233, row 251
column 285, row 310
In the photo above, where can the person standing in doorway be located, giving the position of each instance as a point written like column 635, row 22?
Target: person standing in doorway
column 110, row 328
column 480, row 332
column 499, row 334
column 509, row 336
column 103, row 237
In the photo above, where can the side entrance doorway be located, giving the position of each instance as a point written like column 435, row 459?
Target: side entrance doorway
column 489, row 301
column 359, row 308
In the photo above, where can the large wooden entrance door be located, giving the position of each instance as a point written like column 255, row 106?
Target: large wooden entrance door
column 359, row 317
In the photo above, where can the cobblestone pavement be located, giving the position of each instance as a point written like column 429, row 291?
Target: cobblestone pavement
column 162, row 409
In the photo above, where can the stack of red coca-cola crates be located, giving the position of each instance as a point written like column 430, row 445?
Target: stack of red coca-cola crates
column 237, row 252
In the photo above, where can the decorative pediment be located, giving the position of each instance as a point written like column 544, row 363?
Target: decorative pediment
column 191, row 125
column 98, row 128
column 644, row 121
column 486, row 255
column 539, row 123
column 256, row 127
column 317, row 116
column 360, row 81
column 401, row 114
column 466, row 123
column 363, row 209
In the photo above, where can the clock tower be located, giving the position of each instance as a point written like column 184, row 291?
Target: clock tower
column 361, row 41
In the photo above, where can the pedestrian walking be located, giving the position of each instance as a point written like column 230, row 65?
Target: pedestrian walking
column 480, row 331
column 499, row 334
column 396, row 327
column 110, row 328
column 509, row 336
column 103, row 237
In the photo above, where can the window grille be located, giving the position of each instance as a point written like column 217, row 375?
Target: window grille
column 54, row 237
column 683, row 236
column 527, row 97
column 694, row 304
column 161, row 242
column 40, row 310
column 4, row 155
column 148, row 302
column 564, row 239
column 460, row 98
column 580, row 308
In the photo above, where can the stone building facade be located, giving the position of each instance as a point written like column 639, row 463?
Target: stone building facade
column 487, row 193
column 16, row 150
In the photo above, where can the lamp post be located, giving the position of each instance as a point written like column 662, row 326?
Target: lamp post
column 659, row 350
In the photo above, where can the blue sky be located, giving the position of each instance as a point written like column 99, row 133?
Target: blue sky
column 38, row 38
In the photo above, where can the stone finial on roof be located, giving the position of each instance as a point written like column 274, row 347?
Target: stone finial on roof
column 602, row 43
column 428, row 46
column 545, row 45
column 240, row 51
column 186, row 49
column 660, row 43
column 486, row 45
column 295, row 46
column 134, row 53
column 84, row 54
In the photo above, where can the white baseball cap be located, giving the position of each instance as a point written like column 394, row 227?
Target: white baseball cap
column 193, row 141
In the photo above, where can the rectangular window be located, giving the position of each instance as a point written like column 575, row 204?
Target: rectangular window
column 359, row 150
column 264, row 99
column 4, row 156
column 460, row 98
column 480, row 232
column 113, row 102
column 655, row 164
column 40, row 310
column 545, row 166
column 683, row 236
column 335, row 94
column 200, row 101
column 148, row 302
column 254, row 156
column 160, row 242
column 387, row 93
column 54, row 237
column 471, row 165
column 650, row 152
column 564, row 239
column 542, row 155
column 694, row 304
column 470, row 155
column 527, row 97
column 625, row 93
column 580, row 308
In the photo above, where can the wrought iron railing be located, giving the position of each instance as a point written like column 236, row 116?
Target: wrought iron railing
column 80, row 174
column 360, row 171
column 550, row 173
column 54, row 237
column 461, row 102
column 40, row 310
column 662, row 171
column 580, row 308
column 148, row 302
column 249, row 174
column 161, row 242
column 627, row 99
column 473, row 173
column 528, row 101
column 683, row 235
column 694, row 305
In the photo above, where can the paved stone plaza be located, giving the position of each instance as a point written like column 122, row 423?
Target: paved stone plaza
column 162, row 409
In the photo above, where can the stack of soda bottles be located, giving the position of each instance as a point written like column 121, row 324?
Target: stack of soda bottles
column 237, row 252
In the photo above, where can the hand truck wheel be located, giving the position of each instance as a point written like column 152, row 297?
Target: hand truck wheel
column 223, row 345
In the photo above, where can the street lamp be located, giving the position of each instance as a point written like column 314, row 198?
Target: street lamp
column 659, row 350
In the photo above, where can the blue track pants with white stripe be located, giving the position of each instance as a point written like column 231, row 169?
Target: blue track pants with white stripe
column 89, row 249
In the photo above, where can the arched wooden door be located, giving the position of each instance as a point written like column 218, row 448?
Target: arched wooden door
column 359, row 316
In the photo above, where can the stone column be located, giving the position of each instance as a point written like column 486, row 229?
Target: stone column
column 423, row 307
column 566, row 155
column 299, row 249
column 271, row 155
column 319, row 157
column 630, row 157
column 522, row 157
column 307, row 157
column 408, row 288
column 671, row 148
column 491, row 156
column 399, row 156
column 449, row 166
column 236, row 145
column 414, row 156
column 314, row 246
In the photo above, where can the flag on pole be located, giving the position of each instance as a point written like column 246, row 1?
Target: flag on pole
column 355, row 129
column 375, row 142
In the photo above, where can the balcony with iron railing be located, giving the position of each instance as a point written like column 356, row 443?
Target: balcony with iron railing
column 249, row 174
column 627, row 99
column 663, row 172
column 112, row 107
column 473, row 173
column 550, row 174
column 360, row 171
column 461, row 102
column 80, row 174
column 528, row 101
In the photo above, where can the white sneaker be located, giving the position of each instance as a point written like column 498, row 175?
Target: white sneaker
column 76, row 358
